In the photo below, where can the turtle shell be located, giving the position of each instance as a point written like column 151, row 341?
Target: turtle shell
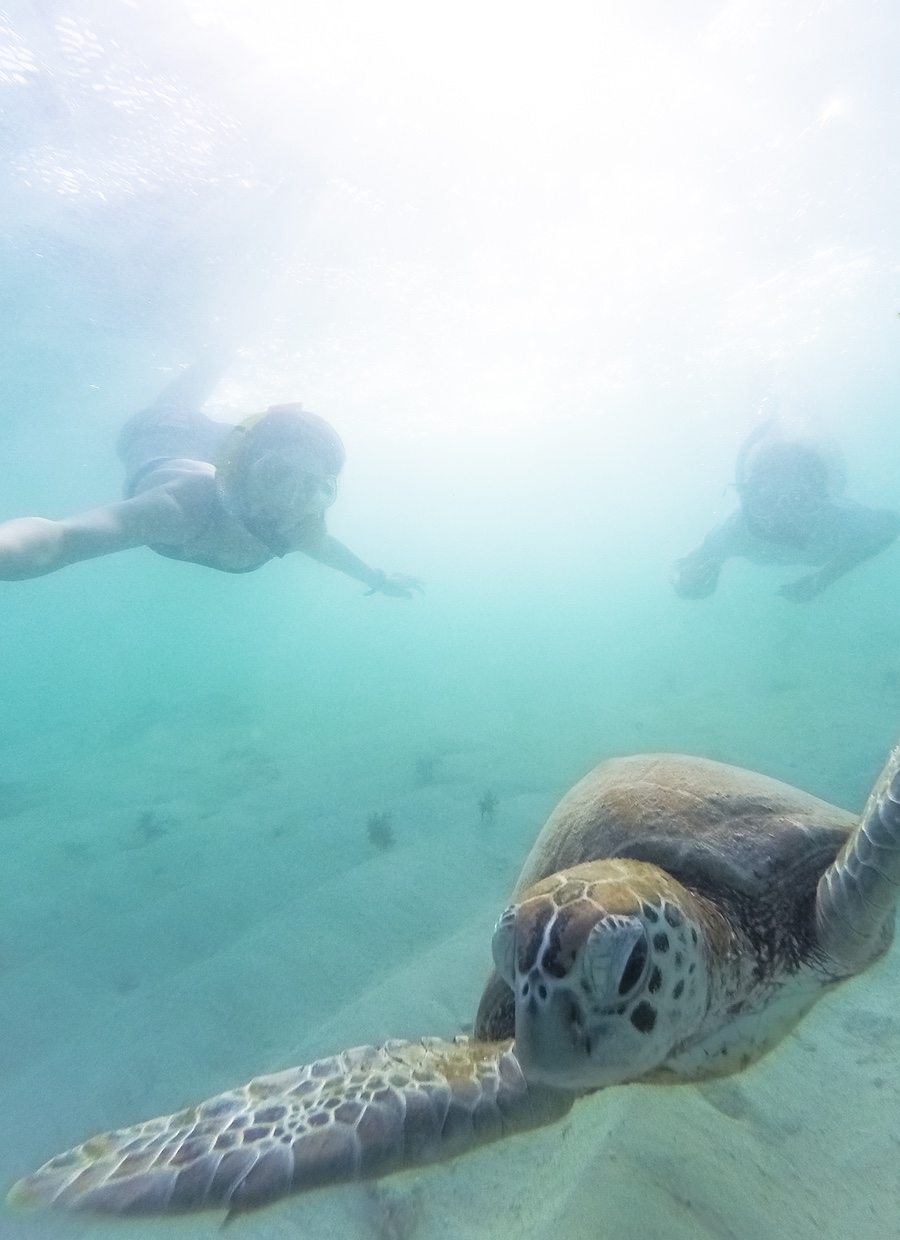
column 752, row 845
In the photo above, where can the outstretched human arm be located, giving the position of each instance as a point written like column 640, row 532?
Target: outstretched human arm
column 864, row 533
column 330, row 551
column 195, row 384
column 696, row 575
column 35, row 546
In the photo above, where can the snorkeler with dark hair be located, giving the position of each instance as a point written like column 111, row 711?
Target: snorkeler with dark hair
column 226, row 497
column 792, row 511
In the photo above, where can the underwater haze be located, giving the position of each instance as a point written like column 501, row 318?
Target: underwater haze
column 540, row 266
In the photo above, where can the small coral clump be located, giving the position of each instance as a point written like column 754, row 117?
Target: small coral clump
column 488, row 805
column 151, row 825
column 425, row 771
column 380, row 831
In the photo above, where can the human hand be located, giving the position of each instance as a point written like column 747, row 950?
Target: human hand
column 802, row 590
column 695, row 576
column 30, row 547
column 396, row 585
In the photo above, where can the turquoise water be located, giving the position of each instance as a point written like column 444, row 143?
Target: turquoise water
column 538, row 273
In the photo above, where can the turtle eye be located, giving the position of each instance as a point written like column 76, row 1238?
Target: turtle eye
column 503, row 946
column 634, row 966
column 616, row 956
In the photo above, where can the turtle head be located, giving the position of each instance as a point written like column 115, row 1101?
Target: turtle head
column 607, row 964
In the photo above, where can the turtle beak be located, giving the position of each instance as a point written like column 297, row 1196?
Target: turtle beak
column 549, row 1025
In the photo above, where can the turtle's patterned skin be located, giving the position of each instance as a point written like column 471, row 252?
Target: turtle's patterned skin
column 361, row 1114
column 673, row 921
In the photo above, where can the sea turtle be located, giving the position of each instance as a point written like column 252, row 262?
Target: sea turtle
column 673, row 921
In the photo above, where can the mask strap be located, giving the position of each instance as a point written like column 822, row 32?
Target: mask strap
column 233, row 447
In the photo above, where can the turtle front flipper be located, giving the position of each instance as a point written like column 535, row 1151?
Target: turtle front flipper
column 355, row 1116
column 857, row 895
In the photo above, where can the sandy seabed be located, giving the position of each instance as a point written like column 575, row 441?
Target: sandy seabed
column 206, row 905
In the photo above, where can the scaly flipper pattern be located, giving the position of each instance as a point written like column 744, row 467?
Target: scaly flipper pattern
column 366, row 1112
column 857, row 895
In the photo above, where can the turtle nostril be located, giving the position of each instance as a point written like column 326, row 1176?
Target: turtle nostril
column 542, row 991
column 573, row 1013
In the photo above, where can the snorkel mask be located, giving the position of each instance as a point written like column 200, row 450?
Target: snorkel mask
column 278, row 471
column 788, row 470
column 783, row 491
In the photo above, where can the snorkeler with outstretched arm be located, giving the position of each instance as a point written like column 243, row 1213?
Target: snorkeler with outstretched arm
column 226, row 497
column 791, row 512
